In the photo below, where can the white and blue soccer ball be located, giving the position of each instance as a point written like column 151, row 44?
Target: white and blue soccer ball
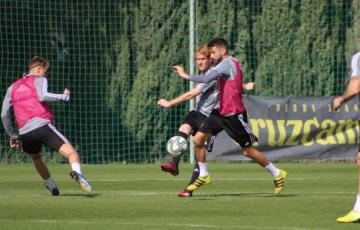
column 176, row 145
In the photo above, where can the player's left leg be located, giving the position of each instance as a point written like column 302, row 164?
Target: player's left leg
column 40, row 166
column 210, row 127
column 31, row 143
column 354, row 215
column 278, row 174
column 237, row 128
column 194, row 176
column 199, row 145
column 43, row 171
column 196, row 171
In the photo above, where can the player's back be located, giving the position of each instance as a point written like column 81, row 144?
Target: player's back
column 26, row 102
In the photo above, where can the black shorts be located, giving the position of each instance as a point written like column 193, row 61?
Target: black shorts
column 235, row 126
column 194, row 119
column 47, row 135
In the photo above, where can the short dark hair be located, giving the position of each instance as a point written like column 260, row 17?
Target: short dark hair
column 38, row 61
column 219, row 42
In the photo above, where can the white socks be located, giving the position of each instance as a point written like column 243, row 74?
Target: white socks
column 76, row 167
column 272, row 169
column 203, row 169
column 357, row 204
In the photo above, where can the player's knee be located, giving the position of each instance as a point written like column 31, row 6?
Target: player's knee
column 72, row 153
column 246, row 151
column 250, row 151
column 68, row 151
column 198, row 141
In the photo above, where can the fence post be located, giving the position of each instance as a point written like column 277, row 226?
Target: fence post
column 192, row 63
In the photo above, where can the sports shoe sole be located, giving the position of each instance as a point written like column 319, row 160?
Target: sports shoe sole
column 84, row 184
column 169, row 170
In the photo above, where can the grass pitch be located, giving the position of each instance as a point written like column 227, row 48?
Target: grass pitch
column 143, row 197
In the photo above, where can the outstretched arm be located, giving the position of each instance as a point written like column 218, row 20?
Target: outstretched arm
column 352, row 90
column 6, row 116
column 180, row 99
column 211, row 75
column 43, row 94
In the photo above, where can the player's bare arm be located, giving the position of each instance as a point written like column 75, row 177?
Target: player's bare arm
column 180, row 99
column 352, row 90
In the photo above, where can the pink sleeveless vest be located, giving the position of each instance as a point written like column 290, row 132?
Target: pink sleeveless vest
column 230, row 92
column 26, row 102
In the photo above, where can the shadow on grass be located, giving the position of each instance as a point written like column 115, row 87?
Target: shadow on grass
column 89, row 195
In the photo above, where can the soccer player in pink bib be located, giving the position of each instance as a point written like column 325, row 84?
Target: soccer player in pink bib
column 28, row 98
column 230, row 116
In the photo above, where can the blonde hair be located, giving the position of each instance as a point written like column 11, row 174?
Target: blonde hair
column 204, row 50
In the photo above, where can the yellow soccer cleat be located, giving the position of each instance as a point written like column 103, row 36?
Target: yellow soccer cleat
column 279, row 181
column 200, row 181
column 351, row 217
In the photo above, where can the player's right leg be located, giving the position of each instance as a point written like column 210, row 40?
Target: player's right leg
column 354, row 215
column 55, row 140
column 185, row 129
column 68, row 151
column 172, row 166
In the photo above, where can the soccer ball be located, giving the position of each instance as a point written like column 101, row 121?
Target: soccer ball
column 176, row 145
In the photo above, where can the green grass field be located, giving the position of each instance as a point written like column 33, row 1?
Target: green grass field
column 143, row 197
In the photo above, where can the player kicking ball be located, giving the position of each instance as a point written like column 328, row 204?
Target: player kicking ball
column 28, row 98
column 231, row 115
column 206, row 100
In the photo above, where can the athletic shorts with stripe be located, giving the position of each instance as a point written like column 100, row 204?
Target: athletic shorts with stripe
column 235, row 126
column 194, row 119
column 47, row 135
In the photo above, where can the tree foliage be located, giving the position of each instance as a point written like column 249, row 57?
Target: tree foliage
column 116, row 58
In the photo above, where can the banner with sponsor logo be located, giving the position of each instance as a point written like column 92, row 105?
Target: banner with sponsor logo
column 296, row 128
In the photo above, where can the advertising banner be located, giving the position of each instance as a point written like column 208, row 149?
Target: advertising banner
column 296, row 128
